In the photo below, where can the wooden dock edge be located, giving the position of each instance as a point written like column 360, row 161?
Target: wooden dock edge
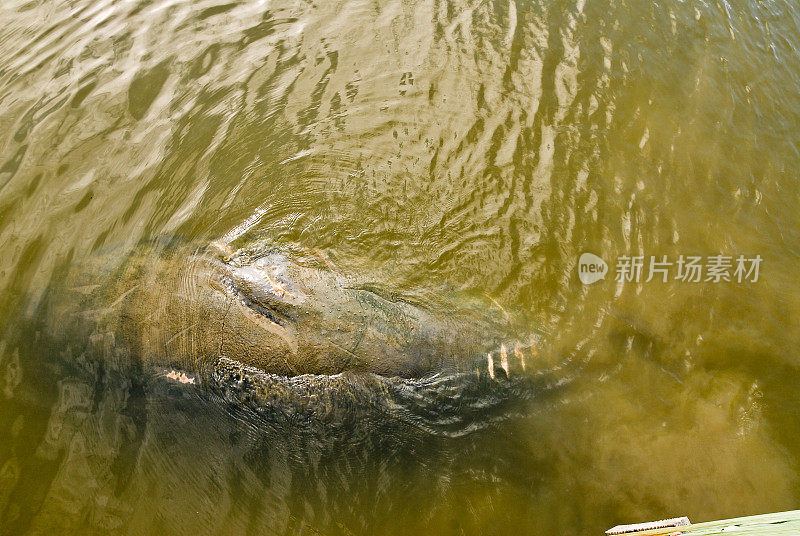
column 777, row 524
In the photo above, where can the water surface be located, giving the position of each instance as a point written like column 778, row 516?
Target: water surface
column 479, row 146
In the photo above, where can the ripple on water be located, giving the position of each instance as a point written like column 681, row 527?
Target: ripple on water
column 481, row 146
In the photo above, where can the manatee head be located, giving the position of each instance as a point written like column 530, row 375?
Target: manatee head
column 286, row 313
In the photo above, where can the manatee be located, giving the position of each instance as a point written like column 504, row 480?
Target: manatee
column 284, row 379
column 289, row 311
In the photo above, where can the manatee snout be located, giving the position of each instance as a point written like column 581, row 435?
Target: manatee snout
column 288, row 315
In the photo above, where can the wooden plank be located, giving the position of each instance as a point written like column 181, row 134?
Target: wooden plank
column 777, row 524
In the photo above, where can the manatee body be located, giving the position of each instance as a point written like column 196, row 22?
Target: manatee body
column 318, row 395
column 289, row 312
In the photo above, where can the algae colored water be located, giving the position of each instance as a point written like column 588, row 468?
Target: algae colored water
column 397, row 267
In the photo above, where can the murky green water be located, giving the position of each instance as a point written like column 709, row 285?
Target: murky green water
column 480, row 147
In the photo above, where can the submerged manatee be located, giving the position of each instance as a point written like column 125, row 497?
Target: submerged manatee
column 289, row 311
column 319, row 396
